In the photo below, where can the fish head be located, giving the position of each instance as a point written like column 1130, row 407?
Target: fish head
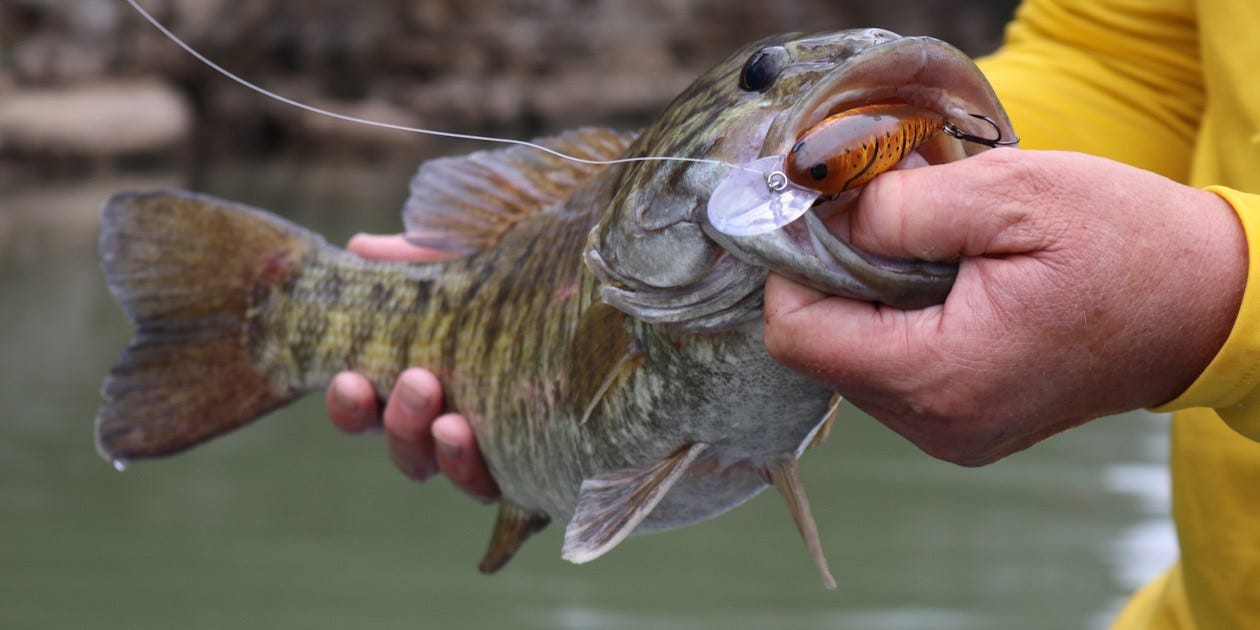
column 655, row 250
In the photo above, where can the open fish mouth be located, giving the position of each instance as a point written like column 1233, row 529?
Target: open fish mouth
column 919, row 72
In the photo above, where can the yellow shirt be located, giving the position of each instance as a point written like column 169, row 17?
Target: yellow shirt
column 1172, row 86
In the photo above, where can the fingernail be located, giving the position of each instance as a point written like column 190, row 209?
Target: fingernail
column 414, row 401
column 341, row 399
column 448, row 450
column 345, row 402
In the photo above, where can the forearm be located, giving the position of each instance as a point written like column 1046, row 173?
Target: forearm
column 1231, row 382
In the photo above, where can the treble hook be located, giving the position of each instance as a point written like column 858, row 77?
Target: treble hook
column 953, row 130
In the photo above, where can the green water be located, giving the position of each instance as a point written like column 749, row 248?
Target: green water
column 290, row 524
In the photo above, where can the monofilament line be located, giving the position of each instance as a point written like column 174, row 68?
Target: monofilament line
column 374, row 123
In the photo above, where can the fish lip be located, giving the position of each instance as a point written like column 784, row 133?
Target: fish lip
column 921, row 71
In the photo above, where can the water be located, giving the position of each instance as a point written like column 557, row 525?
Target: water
column 290, row 524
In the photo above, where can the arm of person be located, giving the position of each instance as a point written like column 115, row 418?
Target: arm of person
column 1124, row 80
column 422, row 440
column 1230, row 384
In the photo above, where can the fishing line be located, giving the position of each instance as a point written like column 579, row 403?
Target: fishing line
column 374, row 123
column 754, row 198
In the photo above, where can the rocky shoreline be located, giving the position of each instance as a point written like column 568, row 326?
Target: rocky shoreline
column 88, row 84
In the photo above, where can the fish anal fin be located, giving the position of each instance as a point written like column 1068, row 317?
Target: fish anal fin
column 512, row 528
column 611, row 505
column 465, row 204
column 601, row 351
column 785, row 475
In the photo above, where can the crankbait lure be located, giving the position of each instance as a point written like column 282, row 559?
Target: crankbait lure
column 843, row 152
column 849, row 149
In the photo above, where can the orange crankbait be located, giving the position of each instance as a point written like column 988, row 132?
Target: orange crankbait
column 849, row 149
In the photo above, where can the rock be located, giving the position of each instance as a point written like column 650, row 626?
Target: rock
column 104, row 119
column 511, row 67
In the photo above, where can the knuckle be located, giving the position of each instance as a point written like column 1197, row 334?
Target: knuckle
column 1025, row 176
column 952, row 430
column 777, row 337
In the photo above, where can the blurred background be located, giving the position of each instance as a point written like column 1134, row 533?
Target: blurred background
column 87, row 83
column 290, row 524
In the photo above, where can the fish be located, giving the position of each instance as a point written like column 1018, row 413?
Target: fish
column 603, row 339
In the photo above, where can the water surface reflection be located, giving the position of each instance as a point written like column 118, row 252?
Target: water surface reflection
column 290, row 524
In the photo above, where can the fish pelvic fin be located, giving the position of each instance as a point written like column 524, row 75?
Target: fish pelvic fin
column 785, row 475
column 512, row 528
column 611, row 506
column 187, row 269
column 823, row 430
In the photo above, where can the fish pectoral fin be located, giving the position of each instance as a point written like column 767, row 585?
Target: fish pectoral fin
column 611, row 505
column 601, row 351
column 465, row 204
column 512, row 528
column 785, row 475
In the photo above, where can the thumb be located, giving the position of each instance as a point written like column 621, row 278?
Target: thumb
column 947, row 211
column 839, row 342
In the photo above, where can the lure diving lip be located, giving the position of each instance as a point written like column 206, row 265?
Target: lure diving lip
column 758, row 198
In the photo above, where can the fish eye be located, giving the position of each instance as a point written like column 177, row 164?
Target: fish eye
column 761, row 69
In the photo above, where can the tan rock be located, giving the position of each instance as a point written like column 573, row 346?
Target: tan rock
column 98, row 120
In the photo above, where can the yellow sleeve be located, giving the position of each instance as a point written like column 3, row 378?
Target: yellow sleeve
column 1229, row 384
column 1115, row 78
column 1123, row 79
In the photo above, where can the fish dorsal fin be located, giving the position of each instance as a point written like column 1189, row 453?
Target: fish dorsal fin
column 611, row 505
column 601, row 352
column 465, row 204
column 511, row 529
column 785, row 475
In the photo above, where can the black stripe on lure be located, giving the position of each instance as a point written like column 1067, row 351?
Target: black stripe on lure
column 843, row 152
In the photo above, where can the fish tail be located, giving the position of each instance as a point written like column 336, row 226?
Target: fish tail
column 188, row 271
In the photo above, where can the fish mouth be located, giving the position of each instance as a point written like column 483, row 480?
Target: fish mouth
column 919, row 71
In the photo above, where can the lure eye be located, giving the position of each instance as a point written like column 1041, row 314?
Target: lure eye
column 761, row 69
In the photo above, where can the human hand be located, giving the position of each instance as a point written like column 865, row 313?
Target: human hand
column 1085, row 287
column 421, row 439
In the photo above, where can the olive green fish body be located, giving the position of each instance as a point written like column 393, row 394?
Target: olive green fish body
column 604, row 340
column 514, row 333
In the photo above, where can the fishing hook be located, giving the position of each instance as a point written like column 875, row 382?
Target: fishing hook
column 953, row 130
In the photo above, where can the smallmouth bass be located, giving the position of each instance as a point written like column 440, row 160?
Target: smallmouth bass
column 604, row 341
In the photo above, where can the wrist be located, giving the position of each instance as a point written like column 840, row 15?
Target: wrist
column 1219, row 345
